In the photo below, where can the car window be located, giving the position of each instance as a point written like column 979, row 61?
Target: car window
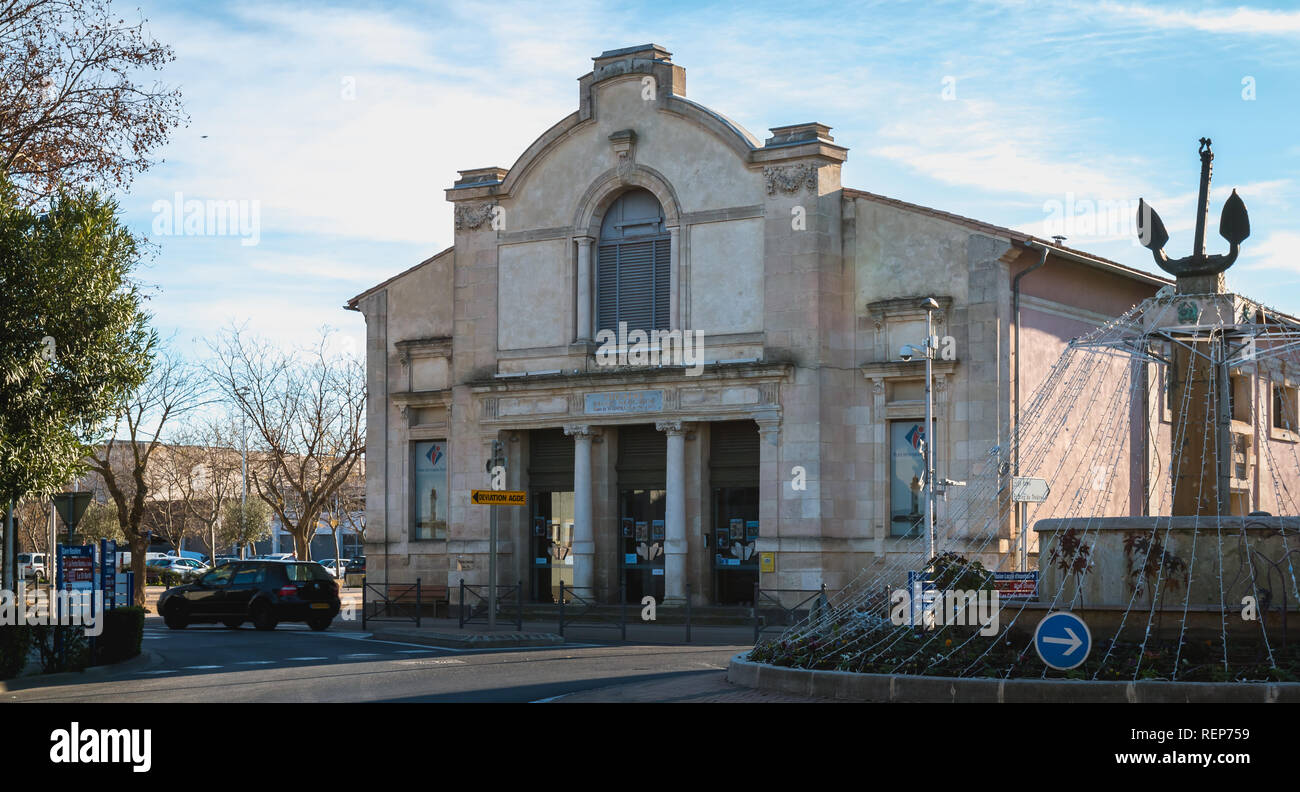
column 23, row 558
column 249, row 575
column 218, row 577
column 300, row 573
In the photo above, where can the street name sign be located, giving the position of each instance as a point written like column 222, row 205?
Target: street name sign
column 1025, row 489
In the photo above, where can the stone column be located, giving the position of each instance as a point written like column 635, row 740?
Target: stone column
column 584, row 542
column 584, row 332
column 675, row 514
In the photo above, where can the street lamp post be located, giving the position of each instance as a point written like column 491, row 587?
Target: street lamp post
column 334, row 529
column 243, row 392
column 930, row 305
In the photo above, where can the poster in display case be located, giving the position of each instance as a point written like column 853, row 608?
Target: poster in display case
column 737, row 530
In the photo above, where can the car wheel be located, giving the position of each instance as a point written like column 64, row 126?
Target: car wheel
column 319, row 624
column 264, row 616
column 233, row 623
column 175, row 617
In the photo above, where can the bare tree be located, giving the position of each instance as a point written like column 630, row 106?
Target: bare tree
column 308, row 415
column 71, row 107
column 123, row 461
column 201, row 470
column 33, row 519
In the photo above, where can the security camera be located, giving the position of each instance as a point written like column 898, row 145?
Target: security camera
column 906, row 352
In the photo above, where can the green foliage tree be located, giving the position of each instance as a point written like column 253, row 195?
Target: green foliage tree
column 74, row 338
column 243, row 524
column 100, row 522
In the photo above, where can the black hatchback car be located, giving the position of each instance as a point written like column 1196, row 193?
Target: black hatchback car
column 263, row 592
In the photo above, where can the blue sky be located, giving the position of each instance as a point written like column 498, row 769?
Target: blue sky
column 346, row 123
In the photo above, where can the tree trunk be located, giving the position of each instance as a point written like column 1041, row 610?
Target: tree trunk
column 138, row 548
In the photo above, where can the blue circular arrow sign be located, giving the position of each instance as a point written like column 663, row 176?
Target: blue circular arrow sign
column 1062, row 640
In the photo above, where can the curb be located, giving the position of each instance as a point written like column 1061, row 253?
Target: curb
column 142, row 660
column 850, row 686
column 470, row 641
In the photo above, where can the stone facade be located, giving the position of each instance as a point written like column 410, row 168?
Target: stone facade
column 804, row 291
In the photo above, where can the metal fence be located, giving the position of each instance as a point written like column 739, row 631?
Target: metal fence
column 391, row 602
column 787, row 616
column 477, row 612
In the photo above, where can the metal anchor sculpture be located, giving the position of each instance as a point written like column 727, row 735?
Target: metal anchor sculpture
column 1234, row 226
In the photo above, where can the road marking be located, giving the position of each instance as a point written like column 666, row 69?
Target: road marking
column 255, row 662
column 548, row 699
column 361, row 654
column 201, row 667
column 413, row 651
column 162, row 671
column 367, row 637
column 306, row 658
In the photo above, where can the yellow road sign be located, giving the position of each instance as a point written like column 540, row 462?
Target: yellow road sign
column 498, row 497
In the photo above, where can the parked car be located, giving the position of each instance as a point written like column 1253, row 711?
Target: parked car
column 31, row 566
column 337, row 568
column 226, row 560
column 187, row 568
column 279, row 557
column 263, row 592
column 357, row 566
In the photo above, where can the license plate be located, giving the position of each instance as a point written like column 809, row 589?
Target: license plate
column 320, row 605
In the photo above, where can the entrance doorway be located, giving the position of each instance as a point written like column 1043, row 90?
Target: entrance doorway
column 551, row 542
column 733, row 474
column 550, row 530
column 642, row 502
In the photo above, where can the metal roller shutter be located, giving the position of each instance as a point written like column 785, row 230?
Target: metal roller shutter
column 642, row 458
column 733, row 454
column 550, row 460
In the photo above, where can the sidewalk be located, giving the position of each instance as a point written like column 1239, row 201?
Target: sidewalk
column 740, row 636
column 697, row 689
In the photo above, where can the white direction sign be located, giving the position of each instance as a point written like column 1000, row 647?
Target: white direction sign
column 1029, row 490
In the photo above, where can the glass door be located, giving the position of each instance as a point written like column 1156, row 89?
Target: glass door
column 551, row 541
column 734, row 540
column 642, row 537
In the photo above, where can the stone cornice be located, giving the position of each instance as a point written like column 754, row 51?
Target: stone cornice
column 436, row 398
column 910, row 369
column 626, row 376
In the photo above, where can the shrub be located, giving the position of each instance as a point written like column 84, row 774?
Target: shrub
column 162, row 577
column 75, row 655
column 15, row 641
column 122, row 635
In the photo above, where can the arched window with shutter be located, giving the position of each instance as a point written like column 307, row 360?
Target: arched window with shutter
column 632, row 265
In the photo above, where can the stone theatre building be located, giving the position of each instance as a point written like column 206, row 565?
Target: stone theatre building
column 787, row 458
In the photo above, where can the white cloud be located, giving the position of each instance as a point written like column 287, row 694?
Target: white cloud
column 1280, row 250
column 1238, row 21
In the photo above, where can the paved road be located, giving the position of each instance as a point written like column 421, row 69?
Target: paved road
column 211, row 663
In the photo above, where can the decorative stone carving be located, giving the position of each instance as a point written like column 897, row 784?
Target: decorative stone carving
column 623, row 143
column 671, row 427
column 877, row 386
column 472, row 216
column 578, row 429
column 789, row 179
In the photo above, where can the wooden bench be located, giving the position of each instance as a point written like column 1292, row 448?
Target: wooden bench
column 404, row 594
